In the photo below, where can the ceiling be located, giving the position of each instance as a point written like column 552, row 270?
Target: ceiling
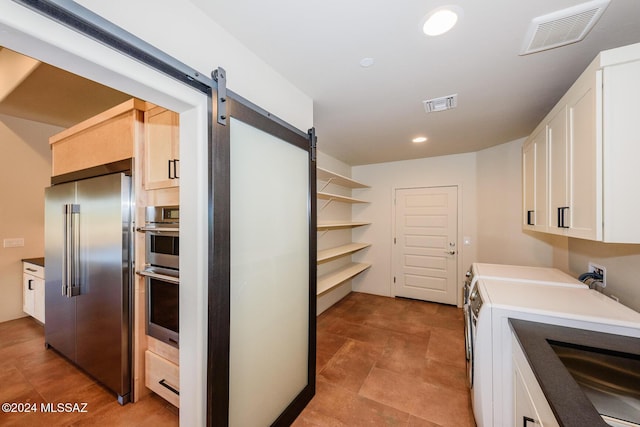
column 369, row 115
column 36, row 91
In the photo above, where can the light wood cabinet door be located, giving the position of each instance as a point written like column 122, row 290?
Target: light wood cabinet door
column 161, row 149
column 108, row 137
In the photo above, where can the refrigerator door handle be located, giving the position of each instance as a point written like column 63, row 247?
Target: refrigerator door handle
column 70, row 282
column 66, row 257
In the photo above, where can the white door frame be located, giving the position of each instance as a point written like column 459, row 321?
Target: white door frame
column 459, row 246
column 27, row 32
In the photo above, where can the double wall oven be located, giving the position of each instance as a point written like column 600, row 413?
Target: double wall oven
column 162, row 272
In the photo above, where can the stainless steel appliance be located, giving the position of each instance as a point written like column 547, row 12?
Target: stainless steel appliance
column 162, row 236
column 88, row 248
column 162, row 272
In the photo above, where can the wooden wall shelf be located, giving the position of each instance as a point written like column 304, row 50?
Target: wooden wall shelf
column 331, row 280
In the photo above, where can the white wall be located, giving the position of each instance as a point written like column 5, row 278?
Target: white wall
column 384, row 178
column 25, row 173
column 621, row 261
column 183, row 31
column 500, row 236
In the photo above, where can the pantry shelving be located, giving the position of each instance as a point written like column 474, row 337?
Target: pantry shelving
column 332, row 253
column 331, row 280
column 334, row 275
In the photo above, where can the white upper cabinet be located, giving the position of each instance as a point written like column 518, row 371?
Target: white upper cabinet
column 558, row 176
column 584, row 154
column 534, row 167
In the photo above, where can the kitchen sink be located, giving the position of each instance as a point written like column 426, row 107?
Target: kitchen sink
column 611, row 381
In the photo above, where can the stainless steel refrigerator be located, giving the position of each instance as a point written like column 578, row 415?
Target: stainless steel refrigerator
column 88, row 274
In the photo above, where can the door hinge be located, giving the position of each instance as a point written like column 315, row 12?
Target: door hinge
column 394, row 279
column 220, row 76
column 394, row 240
column 313, row 142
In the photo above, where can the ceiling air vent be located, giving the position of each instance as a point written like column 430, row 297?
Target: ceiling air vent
column 441, row 104
column 562, row 27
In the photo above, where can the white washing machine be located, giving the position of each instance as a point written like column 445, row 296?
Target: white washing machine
column 492, row 302
column 519, row 273
column 515, row 274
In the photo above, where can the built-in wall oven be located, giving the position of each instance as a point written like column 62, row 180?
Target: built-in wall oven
column 162, row 272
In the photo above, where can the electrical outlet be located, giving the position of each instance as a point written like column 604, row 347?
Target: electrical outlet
column 600, row 270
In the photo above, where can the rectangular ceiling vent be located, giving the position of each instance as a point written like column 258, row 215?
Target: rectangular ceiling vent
column 562, row 27
column 441, row 104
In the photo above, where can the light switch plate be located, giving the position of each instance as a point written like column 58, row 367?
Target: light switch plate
column 16, row 242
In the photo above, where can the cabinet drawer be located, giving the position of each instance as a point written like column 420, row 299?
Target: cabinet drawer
column 162, row 376
column 32, row 269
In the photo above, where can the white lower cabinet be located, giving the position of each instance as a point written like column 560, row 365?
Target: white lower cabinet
column 530, row 406
column 33, row 290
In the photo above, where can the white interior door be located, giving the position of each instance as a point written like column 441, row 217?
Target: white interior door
column 425, row 248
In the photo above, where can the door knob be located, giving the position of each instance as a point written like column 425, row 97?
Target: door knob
column 451, row 252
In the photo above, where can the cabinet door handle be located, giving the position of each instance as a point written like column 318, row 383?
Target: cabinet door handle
column 29, row 283
column 562, row 213
column 526, row 420
column 173, row 173
column 33, row 270
column 164, row 384
column 530, row 217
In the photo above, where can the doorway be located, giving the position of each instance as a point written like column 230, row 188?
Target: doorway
column 27, row 32
column 425, row 244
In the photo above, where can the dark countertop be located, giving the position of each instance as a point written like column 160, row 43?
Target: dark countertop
column 36, row 261
column 567, row 400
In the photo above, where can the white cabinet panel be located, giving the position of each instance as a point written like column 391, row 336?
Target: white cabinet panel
column 530, row 405
column 558, row 171
column 592, row 147
column 33, row 291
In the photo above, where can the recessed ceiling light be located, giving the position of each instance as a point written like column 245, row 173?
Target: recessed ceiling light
column 366, row 62
column 419, row 139
column 441, row 20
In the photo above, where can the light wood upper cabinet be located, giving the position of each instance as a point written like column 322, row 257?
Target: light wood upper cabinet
column 105, row 138
column 161, row 149
column 592, row 145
